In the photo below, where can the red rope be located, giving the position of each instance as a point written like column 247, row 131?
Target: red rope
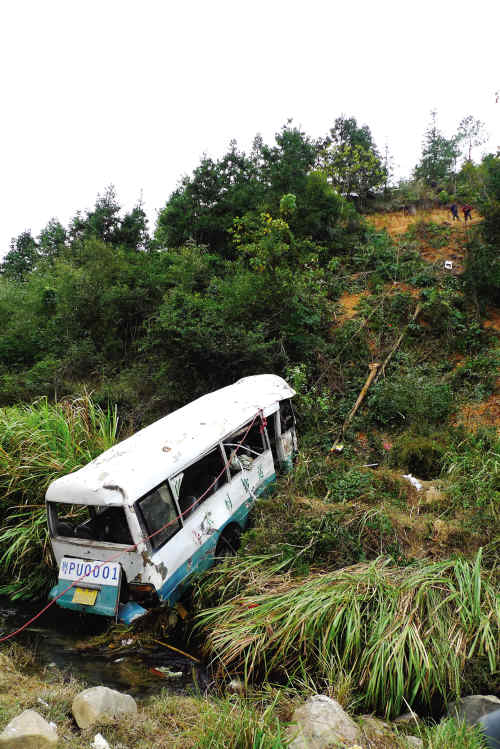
column 134, row 546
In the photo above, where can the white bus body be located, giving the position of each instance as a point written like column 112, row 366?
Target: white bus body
column 128, row 531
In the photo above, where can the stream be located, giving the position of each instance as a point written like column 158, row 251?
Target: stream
column 53, row 638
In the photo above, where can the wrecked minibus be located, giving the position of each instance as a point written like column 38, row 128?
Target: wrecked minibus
column 129, row 529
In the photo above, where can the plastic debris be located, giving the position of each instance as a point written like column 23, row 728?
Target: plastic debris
column 166, row 672
column 413, row 481
column 42, row 702
column 337, row 448
column 448, row 265
column 127, row 642
column 100, row 742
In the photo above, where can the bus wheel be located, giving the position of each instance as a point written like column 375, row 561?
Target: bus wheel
column 229, row 542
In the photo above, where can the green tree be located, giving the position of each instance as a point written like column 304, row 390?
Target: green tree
column 439, row 155
column 350, row 159
column 202, row 208
column 52, row 239
column 21, row 258
column 104, row 222
column 204, row 205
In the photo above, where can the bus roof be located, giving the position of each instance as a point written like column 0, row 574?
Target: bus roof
column 130, row 469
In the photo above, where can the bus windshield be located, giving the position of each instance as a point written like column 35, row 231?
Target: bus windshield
column 87, row 522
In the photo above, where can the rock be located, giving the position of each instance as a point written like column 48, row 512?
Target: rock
column 472, row 708
column 491, row 728
column 414, row 741
column 378, row 733
column 320, row 722
column 409, row 717
column 374, row 727
column 28, row 731
column 101, row 705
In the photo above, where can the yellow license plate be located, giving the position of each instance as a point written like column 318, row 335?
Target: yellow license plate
column 85, row 596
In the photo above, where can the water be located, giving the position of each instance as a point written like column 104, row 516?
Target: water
column 126, row 667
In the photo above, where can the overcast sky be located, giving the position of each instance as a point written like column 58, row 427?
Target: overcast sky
column 132, row 93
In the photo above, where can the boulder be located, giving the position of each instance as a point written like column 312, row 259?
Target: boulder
column 28, row 731
column 472, row 708
column 101, row 705
column 374, row 727
column 321, row 722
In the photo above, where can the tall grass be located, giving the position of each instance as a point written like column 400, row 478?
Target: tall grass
column 472, row 467
column 402, row 633
column 39, row 443
column 452, row 734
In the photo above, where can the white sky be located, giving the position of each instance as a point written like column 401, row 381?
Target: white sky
column 132, row 93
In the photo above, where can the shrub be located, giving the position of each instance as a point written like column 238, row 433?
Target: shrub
column 410, row 400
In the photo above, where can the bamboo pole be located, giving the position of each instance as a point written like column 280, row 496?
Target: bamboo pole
column 373, row 371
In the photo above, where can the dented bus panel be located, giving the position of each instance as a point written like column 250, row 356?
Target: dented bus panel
column 130, row 529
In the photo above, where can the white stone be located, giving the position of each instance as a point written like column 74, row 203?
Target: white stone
column 100, row 742
column 101, row 705
column 28, row 731
column 319, row 723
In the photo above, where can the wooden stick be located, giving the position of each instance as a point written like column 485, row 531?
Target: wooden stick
column 373, row 371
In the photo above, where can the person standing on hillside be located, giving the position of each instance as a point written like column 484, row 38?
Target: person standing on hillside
column 454, row 211
column 467, row 211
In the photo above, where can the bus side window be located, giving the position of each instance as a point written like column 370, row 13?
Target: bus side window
column 200, row 480
column 158, row 511
column 287, row 418
column 241, row 456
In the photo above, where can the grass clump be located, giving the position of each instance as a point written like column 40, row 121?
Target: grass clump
column 452, row 734
column 403, row 633
column 39, row 443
